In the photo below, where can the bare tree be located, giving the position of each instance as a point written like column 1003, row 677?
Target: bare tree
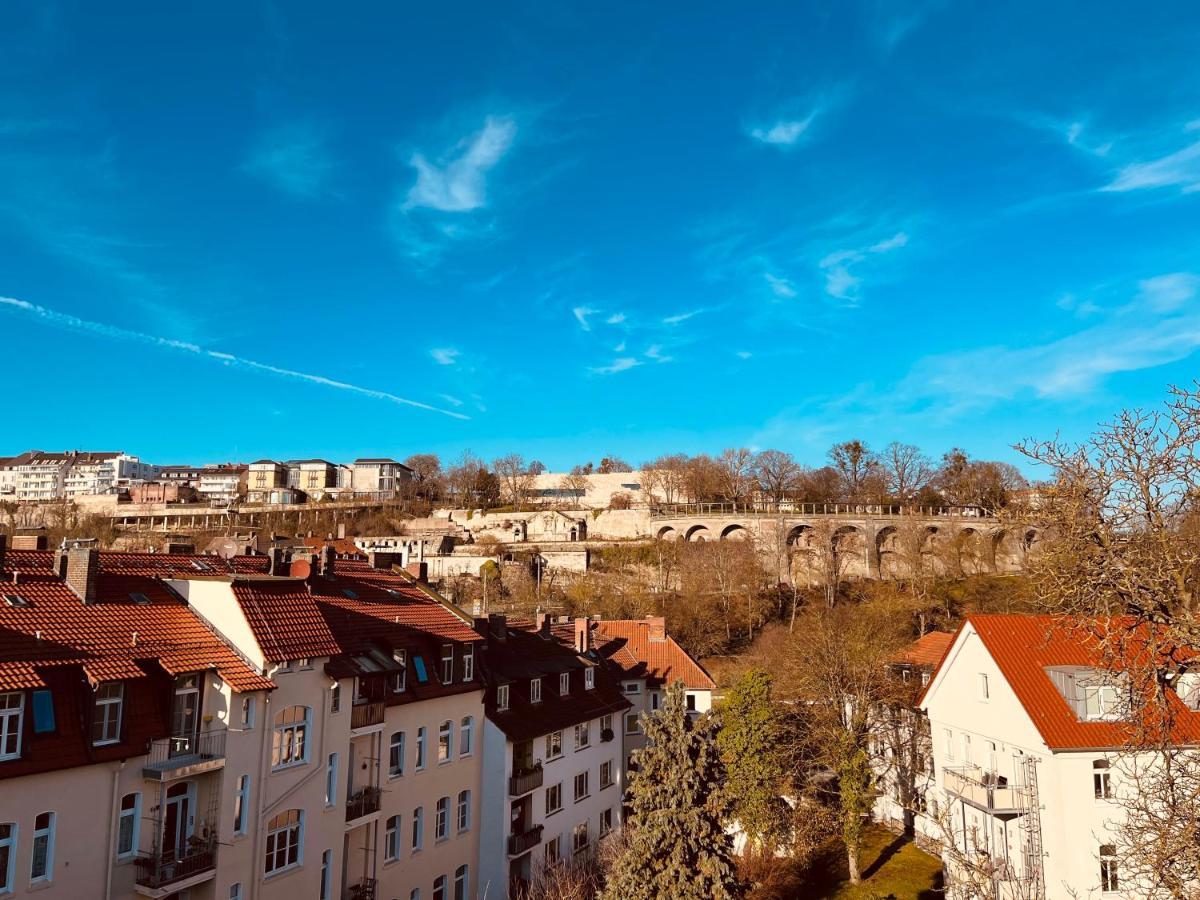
column 908, row 470
column 855, row 463
column 611, row 464
column 664, row 478
column 734, row 474
column 574, row 485
column 777, row 473
column 516, row 480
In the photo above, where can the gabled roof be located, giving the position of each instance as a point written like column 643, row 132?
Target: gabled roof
column 1024, row 647
column 626, row 643
column 927, row 650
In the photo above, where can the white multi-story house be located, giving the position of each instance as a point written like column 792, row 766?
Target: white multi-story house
column 221, row 483
column 40, row 476
column 647, row 661
column 553, row 774
column 1028, row 732
column 381, row 477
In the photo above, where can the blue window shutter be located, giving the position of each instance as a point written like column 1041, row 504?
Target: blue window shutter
column 43, row 712
column 420, row 666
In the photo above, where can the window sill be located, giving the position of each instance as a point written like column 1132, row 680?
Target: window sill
column 284, row 872
column 553, row 812
column 283, row 767
column 584, row 797
column 42, row 884
column 396, row 776
column 605, row 787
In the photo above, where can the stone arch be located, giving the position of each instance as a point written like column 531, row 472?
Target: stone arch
column 800, row 537
column 735, row 532
column 887, row 552
column 1006, row 551
column 848, row 544
column 971, row 551
column 1031, row 542
column 667, row 533
column 697, row 533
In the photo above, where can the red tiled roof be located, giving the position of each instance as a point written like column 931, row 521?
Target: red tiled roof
column 111, row 638
column 626, row 643
column 927, row 651
column 1024, row 646
column 341, row 546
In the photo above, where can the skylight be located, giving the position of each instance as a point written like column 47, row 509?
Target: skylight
column 16, row 600
column 139, row 599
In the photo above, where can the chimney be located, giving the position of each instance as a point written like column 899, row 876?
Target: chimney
column 328, row 554
column 82, row 567
column 497, row 627
column 341, row 531
column 275, row 561
column 658, row 629
column 419, row 571
column 29, row 542
column 583, row 635
column 180, row 548
column 543, row 623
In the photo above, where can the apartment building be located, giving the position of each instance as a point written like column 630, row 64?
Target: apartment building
column 119, row 713
column 265, row 478
column 40, row 476
column 381, row 477
column 553, row 774
column 900, row 742
column 647, row 660
column 371, row 786
column 1027, row 722
column 222, row 483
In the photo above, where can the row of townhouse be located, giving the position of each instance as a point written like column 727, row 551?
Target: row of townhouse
column 182, row 726
column 271, row 481
column 1026, row 726
column 40, row 476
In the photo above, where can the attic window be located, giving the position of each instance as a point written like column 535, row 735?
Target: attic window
column 139, row 599
column 419, row 665
column 349, row 594
column 16, row 600
column 201, row 566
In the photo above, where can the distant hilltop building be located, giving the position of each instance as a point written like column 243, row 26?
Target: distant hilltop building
column 38, row 475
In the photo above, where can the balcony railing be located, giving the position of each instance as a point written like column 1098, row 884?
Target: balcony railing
column 985, row 790
column 160, row 870
column 526, row 840
column 364, row 715
column 364, row 889
column 362, row 803
column 525, row 780
column 185, row 755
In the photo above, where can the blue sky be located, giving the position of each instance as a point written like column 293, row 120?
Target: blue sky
column 233, row 230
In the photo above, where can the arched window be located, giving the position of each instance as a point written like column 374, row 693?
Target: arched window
column 466, row 735
column 462, row 883
column 1100, row 780
column 441, row 823
column 391, row 839
column 290, row 743
column 464, row 811
column 285, row 841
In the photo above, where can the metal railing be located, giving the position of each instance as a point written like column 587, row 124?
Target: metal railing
column 362, row 803
column 182, row 749
column 158, row 870
column 363, row 715
column 986, row 790
column 363, row 889
column 789, row 508
column 522, row 781
column 525, row 840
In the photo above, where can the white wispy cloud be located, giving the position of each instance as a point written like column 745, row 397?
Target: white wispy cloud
column 744, row 354
column 842, row 283
column 581, row 314
column 682, row 317
column 620, row 348
column 457, row 182
column 1165, row 293
column 1075, row 137
column 294, row 158
column 1180, row 169
column 620, row 364
column 451, row 399
column 615, row 319
column 445, row 356
column 780, row 287
column 655, row 352
column 782, row 132
column 116, row 332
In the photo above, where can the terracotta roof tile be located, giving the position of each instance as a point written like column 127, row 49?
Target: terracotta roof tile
column 627, row 644
column 927, row 651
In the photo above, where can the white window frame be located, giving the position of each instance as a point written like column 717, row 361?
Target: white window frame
column 466, row 737
column 635, row 719
column 283, row 839
column 400, row 679
column 290, row 735
column 447, row 663
column 441, row 885
column 134, row 817
column 8, row 882
column 241, row 805
column 446, row 742
column 469, row 662
column 501, row 697
column 557, row 789
column 535, row 690
column 248, row 713
column 392, row 829
column 331, row 778
column 462, row 819
column 1110, row 875
column 564, row 683
column 462, row 882
column 1102, row 780
column 589, row 678
column 326, row 874
column 418, row 829
column 103, row 700
column 578, row 846
column 606, row 821
column 441, row 820
column 12, row 724
column 587, row 788
column 606, row 782
column 554, row 745
column 235, row 892
column 632, row 687
column 583, row 736
column 396, row 755
column 46, row 835
column 421, row 760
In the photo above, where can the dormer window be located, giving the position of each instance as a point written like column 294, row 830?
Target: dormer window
column 447, row 663
column 564, row 684
column 535, row 690
column 502, row 697
column 106, row 721
column 398, row 678
column 1092, row 694
column 468, row 663
column 589, row 678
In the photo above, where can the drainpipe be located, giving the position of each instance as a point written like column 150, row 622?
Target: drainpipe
column 260, row 793
column 112, row 832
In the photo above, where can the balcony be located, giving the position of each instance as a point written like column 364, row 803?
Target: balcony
column 185, row 756
column 525, row 780
column 367, row 715
column 164, row 874
column 363, row 889
column 525, row 841
column 362, row 803
column 984, row 790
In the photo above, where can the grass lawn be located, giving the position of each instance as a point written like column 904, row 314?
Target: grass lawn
column 893, row 868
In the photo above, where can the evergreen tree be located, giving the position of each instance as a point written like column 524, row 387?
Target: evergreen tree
column 677, row 847
column 752, row 748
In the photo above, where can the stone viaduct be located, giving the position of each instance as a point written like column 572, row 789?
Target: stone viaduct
column 858, row 540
